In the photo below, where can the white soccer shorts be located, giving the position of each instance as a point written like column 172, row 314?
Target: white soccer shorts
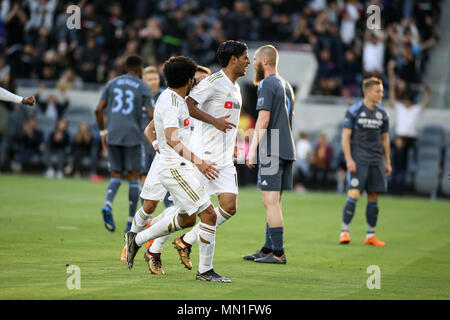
column 152, row 188
column 187, row 192
column 226, row 182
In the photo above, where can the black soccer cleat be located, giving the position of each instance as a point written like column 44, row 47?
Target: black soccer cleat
column 132, row 247
column 251, row 257
column 271, row 258
column 211, row 276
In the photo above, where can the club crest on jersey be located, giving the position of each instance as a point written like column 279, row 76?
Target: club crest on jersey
column 186, row 122
column 228, row 105
column 378, row 115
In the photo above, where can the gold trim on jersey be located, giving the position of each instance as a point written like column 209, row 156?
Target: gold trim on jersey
column 186, row 187
column 174, row 100
column 214, row 77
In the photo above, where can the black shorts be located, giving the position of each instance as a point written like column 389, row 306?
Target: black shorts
column 276, row 176
column 371, row 178
column 124, row 159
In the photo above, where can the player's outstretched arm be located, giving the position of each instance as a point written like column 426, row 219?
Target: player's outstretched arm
column 206, row 167
column 8, row 96
column 220, row 123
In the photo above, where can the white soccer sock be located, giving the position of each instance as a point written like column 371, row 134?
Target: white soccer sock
column 168, row 212
column 158, row 245
column 167, row 225
column 140, row 220
column 222, row 216
column 206, row 243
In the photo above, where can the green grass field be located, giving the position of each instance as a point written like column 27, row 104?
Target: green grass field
column 46, row 225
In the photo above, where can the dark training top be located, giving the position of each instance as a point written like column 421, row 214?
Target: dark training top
column 367, row 128
column 276, row 95
column 125, row 97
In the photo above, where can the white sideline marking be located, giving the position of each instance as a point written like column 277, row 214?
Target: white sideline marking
column 66, row 227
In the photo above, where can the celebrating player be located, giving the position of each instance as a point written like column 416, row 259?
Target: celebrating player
column 365, row 142
column 275, row 110
column 123, row 98
column 218, row 96
column 176, row 173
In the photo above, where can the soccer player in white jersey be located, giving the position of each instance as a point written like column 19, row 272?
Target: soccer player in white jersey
column 218, row 95
column 177, row 175
column 153, row 191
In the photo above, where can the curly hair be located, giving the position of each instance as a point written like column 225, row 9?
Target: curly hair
column 178, row 71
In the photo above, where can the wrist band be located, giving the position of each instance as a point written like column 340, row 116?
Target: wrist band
column 103, row 132
column 154, row 143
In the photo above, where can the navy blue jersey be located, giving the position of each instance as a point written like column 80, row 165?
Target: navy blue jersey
column 276, row 95
column 367, row 127
column 125, row 97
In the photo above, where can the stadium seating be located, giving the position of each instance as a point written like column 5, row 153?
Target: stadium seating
column 426, row 178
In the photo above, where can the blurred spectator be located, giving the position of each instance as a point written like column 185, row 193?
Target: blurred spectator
column 59, row 142
column 14, row 21
column 407, row 116
column 52, row 108
column 266, row 25
column 28, row 143
column 373, row 55
column 246, row 176
column 321, row 160
column 301, row 165
column 349, row 75
column 350, row 16
column 200, row 44
column 82, row 147
column 41, row 14
column 301, row 33
column 238, row 22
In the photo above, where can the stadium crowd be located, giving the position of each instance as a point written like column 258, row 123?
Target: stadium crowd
column 36, row 44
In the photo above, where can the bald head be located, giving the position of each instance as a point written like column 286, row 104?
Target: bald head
column 270, row 53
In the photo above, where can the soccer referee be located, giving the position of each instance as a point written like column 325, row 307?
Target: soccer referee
column 366, row 146
column 273, row 134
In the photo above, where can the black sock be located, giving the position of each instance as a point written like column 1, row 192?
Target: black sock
column 278, row 253
column 266, row 250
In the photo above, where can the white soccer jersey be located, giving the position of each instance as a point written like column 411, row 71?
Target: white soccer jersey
column 171, row 111
column 217, row 96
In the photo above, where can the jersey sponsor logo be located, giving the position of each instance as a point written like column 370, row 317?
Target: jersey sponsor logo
column 228, row 105
column 370, row 123
column 186, row 122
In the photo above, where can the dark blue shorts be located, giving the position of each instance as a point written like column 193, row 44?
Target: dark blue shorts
column 275, row 176
column 124, row 159
column 371, row 178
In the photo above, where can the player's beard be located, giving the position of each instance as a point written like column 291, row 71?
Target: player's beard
column 259, row 74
